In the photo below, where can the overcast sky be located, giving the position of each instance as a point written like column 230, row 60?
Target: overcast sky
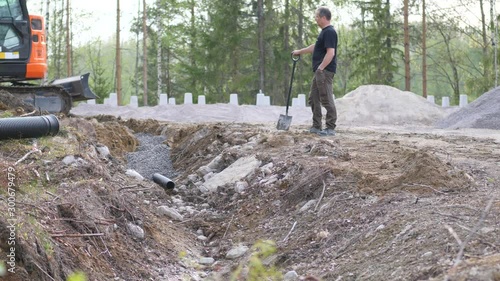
column 101, row 16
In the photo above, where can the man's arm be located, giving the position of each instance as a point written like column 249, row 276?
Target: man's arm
column 330, row 53
column 306, row 50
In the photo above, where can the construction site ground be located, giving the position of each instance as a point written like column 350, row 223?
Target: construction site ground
column 371, row 203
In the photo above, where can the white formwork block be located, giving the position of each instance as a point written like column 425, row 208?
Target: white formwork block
column 105, row 101
column 202, row 99
column 463, row 101
column 171, row 101
column 431, row 99
column 233, row 99
column 261, row 99
column 113, row 99
column 188, row 98
column 295, row 102
column 445, row 102
column 267, row 100
column 302, row 100
column 134, row 101
column 163, row 99
column 90, row 101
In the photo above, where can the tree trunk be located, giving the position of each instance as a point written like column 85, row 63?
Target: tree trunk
column 145, row 54
column 260, row 35
column 406, row 46
column 158, row 53
column 494, row 38
column 424, row 52
column 136, row 75
column 118, row 56
column 68, row 40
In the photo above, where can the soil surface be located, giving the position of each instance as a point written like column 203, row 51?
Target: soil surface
column 375, row 202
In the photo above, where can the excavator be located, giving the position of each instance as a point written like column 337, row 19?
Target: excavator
column 23, row 60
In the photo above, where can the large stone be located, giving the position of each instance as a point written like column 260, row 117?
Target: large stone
column 236, row 171
column 236, row 252
column 172, row 213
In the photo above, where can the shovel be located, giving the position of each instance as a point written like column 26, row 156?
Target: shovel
column 284, row 121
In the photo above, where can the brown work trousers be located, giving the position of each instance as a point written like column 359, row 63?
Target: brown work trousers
column 322, row 95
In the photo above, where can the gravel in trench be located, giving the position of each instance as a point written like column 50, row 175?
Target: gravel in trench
column 151, row 156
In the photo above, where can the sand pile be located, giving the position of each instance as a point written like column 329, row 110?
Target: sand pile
column 483, row 113
column 367, row 105
column 385, row 105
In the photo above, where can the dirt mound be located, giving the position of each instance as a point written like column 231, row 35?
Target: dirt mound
column 483, row 113
column 419, row 172
column 385, row 105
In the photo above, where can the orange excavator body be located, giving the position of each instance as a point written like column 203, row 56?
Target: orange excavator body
column 23, row 57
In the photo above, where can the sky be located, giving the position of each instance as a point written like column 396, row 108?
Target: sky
column 100, row 19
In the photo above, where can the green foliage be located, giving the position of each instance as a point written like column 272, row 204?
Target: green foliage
column 211, row 47
column 77, row 276
column 257, row 271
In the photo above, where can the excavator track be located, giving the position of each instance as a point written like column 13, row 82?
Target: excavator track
column 51, row 98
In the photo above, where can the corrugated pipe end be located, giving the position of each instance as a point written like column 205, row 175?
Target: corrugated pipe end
column 28, row 127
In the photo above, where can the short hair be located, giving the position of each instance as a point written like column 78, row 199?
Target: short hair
column 324, row 12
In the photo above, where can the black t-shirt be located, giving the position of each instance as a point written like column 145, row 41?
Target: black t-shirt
column 326, row 39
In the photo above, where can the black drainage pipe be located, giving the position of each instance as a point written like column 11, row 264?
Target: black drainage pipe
column 28, row 127
column 163, row 181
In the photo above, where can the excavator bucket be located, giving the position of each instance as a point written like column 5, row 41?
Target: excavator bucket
column 77, row 87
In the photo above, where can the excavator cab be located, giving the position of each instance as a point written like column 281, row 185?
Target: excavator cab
column 16, row 60
column 23, row 56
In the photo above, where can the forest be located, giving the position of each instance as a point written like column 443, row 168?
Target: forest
column 218, row 47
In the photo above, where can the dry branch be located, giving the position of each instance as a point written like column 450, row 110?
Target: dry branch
column 290, row 232
column 26, row 156
column 321, row 197
column 75, row 235
column 469, row 237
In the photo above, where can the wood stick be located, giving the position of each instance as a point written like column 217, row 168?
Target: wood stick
column 74, row 235
column 290, row 232
column 228, row 225
column 469, row 237
column 321, row 197
column 26, row 156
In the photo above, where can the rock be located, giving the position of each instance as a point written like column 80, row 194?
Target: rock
column 236, row 252
column 203, row 170
column 68, row 160
column 215, row 163
column 208, row 176
column 206, row 261
column 236, row 171
column 172, row 213
column 307, row 205
column 193, row 178
column 240, row 186
column 135, row 230
column 103, row 151
column 202, row 238
column 291, row 276
column 268, row 168
column 134, row 174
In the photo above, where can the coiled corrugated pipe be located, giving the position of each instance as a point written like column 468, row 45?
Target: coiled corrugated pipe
column 163, row 181
column 28, row 127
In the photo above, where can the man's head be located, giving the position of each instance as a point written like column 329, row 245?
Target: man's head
column 323, row 16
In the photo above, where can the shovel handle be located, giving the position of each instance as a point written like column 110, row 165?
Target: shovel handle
column 295, row 58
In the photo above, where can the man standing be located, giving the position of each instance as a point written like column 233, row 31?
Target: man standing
column 324, row 62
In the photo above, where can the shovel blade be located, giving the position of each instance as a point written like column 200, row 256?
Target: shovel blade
column 284, row 122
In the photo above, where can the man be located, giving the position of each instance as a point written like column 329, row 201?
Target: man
column 324, row 62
